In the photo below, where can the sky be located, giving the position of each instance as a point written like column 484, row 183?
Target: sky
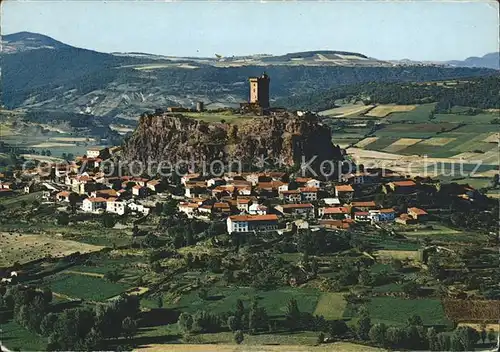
column 417, row 30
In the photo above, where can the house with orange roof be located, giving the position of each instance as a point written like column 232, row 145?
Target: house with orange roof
column 338, row 213
column 190, row 177
column 307, row 182
column 257, row 209
column 309, row 194
column 344, row 224
column 249, row 223
column 139, row 191
column 155, row 185
column 405, row 219
column 306, row 209
column 115, row 206
column 105, row 193
column 221, row 208
column 194, row 189
column 292, row 196
column 418, row 214
column 63, row 196
column 364, row 206
column 94, row 204
column 188, row 208
column 362, row 216
column 405, row 186
column 243, row 204
column 345, row 192
column 381, row 215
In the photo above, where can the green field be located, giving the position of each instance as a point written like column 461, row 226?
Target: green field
column 419, row 114
column 223, row 299
column 331, row 305
column 469, row 119
column 85, row 287
column 17, row 338
column 396, row 311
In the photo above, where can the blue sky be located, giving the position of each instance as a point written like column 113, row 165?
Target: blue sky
column 418, row 30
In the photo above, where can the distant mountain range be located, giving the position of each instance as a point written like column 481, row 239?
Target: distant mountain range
column 40, row 72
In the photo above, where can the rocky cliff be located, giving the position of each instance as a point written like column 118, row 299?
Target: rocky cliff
column 284, row 140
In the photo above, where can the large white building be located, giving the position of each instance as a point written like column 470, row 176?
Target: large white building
column 248, row 223
column 94, row 205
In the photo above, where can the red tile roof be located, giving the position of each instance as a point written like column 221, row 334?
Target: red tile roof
column 417, row 211
column 268, row 217
column 337, row 210
column 96, row 199
column 295, row 206
column 344, row 188
column 408, row 183
column 370, row 203
column 309, row 189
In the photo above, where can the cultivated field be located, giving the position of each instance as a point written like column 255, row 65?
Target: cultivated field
column 396, row 254
column 52, row 145
column 246, row 346
column 347, row 111
column 331, row 305
column 401, row 144
column 384, row 110
column 84, row 286
column 396, row 311
column 364, row 142
column 25, row 248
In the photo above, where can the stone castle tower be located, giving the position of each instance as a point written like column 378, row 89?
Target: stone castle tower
column 259, row 91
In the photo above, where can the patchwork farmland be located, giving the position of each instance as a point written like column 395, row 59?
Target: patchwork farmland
column 407, row 134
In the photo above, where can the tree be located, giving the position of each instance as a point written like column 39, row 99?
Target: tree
column 443, row 342
column 466, row 337
column 238, row 337
column 491, row 335
column 151, row 241
column 321, row 338
column 63, row 219
column 377, row 334
column 159, row 302
column 395, row 336
column 292, row 313
column 129, row 327
column 232, row 323
column 73, row 200
column 108, row 221
column 411, row 288
column 483, row 334
column 47, row 324
column 432, row 339
column 185, row 322
column 363, row 326
column 337, row 328
column 414, row 320
column 434, row 267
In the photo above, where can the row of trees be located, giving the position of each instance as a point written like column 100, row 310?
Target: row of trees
column 82, row 328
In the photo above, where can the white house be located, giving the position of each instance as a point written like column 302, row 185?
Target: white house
column 188, row 208
column 313, row 183
column 257, row 209
column 139, row 191
column 248, row 223
column 115, row 206
column 306, row 209
column 362, row 216
column 382, row 215
column 293, row 196
column 93, row 152
column 138, row 208
column 243, row 204
column 93, row 205
column 309, row 194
